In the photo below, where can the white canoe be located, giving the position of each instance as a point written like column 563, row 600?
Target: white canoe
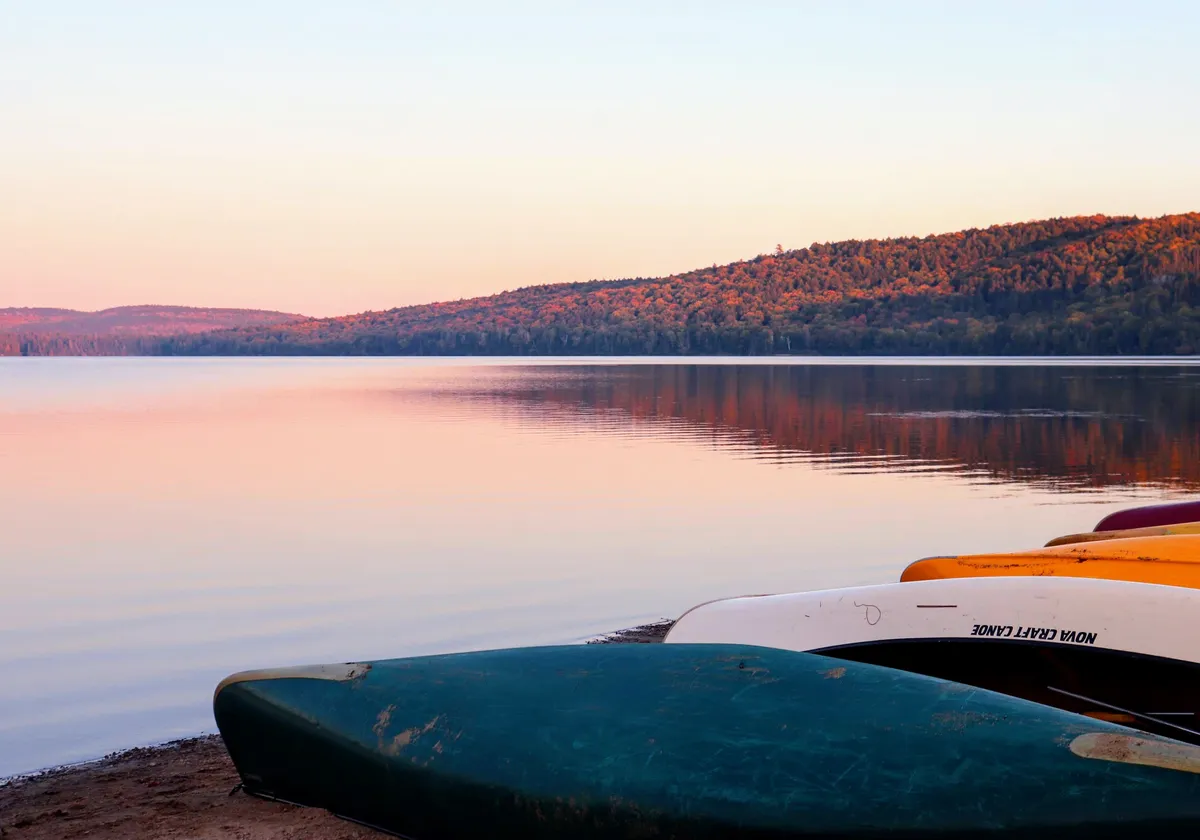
column 1111, row 649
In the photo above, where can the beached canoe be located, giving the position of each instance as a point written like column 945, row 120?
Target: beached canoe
column 1183, row 528
column 1171, row 513
column 1117, row 651
column 697, row 741
column 1170, row 560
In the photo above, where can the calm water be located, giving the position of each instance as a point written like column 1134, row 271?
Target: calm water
column 166, row 522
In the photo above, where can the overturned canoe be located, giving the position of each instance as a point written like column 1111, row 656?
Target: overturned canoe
column 703, row 741
column 1112, row 650
column 1183, row 528
column 1172, row 560
column 1171, row 513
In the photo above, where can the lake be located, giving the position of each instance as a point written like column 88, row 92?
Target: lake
column 165, row 522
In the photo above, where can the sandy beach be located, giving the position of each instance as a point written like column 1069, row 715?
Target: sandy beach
column 184, row 789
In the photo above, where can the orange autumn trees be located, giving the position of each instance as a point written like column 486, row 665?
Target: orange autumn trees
column 1081, row 285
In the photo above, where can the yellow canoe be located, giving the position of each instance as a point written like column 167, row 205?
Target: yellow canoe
column 1153, row 531
column 1173, row 560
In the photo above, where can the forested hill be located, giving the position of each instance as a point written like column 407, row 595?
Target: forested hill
column 64, row 329
column 1082, row 285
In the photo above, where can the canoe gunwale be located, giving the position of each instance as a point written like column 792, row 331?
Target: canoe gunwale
column 338, row 672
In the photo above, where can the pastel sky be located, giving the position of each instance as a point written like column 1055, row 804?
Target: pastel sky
column 327, row 158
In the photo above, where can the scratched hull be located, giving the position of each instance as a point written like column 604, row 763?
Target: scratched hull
column 1170, row 560
column 698, row 741
column 1149, row 516
column 1182, row 529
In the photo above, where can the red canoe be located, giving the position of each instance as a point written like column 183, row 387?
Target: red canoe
column 1150, row 516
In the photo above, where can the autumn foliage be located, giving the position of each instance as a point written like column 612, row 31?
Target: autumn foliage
column 1082, row 285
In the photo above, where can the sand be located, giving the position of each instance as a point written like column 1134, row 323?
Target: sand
column 177, row 790
column 185, row 789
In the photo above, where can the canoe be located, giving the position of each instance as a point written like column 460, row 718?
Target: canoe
column 698, row 741
column 1184, row 528
column 1170, row 560
column 1107, row 649
column 1171, row 513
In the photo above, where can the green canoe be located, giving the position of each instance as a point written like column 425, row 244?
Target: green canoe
column 695, row 741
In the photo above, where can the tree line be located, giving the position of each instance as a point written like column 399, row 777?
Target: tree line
column 1080, row 285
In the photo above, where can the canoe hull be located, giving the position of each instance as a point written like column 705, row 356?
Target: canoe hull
column 1111, row 649
column 1171, row 560
column 705, row 741
column 1183, row 529
column 1172, row 513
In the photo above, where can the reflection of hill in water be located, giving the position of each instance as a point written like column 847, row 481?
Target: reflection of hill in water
column 1057, row 426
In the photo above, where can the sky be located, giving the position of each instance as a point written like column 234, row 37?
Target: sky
column 328, row 158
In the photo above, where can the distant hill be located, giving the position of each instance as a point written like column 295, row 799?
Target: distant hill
column 123, row 329
column 136, row 320
column 1080, row 285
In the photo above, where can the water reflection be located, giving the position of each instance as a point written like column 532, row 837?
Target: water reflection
column 1058, row 427
column 166, row 522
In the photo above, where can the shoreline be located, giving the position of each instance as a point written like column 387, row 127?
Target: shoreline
column 179, row 789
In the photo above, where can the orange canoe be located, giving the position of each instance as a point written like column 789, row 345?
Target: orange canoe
column 1173, row 560
column 1155, row 531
